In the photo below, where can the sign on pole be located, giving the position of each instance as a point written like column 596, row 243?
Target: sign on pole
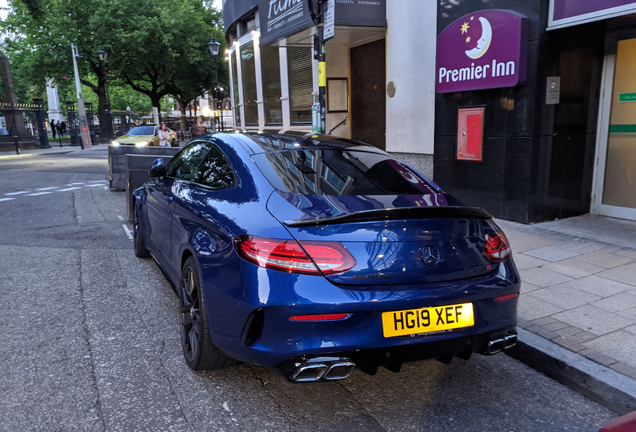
column 330, row 19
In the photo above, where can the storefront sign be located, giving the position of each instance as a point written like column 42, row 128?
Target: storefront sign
column 565, row 13
column 282, row 18
column 362, row 13
column 483, row 50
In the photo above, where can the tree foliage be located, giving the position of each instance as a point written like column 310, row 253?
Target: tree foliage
column 156, row 47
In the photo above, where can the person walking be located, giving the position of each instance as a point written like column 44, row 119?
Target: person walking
column 58, row 126
column 63, row 128
column 200, row 128
column 164, row 135
column 53, row 128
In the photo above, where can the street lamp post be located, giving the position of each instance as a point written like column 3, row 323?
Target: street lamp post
column 108, row 131
column 85, row 140
column 214, row 47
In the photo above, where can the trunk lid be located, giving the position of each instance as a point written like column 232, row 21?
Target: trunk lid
column 395, row 239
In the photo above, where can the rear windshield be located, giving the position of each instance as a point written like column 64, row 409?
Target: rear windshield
column 142, row 130
column 341, row 172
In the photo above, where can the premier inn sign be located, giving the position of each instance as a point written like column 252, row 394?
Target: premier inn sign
column 482, row 50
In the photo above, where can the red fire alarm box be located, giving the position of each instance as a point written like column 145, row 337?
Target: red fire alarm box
column 470, row 134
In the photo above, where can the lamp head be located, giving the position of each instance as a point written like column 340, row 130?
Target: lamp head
column 102, row 54
column 214, row 47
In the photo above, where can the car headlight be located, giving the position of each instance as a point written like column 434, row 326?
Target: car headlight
column 141, row 143
column 115, row 143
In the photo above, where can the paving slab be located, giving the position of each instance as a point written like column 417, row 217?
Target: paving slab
column 624, row 273
column 604, row 258
column 617, row 303
column 629, row 313
column 543, row 277
column 524, row 262
column 552, row 253
column 631, row 329
column 620, row 345
column 573, row 268
column 527, row 287
column 565, row 296
column 593, row 319
column 599, row 286
column 531, row 308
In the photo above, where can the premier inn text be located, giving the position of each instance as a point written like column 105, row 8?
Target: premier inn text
column 477, row 72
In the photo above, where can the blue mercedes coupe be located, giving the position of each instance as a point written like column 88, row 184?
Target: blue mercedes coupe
column 316, row 256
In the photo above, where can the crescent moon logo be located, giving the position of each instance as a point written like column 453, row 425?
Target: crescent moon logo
column 484, row 41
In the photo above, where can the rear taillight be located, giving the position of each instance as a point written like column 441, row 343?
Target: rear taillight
column 310, row 257
column 496, row 247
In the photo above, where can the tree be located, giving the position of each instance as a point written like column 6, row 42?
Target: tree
column 41, row 33
column 149, row 42
column 200, row 75
column 174, row 58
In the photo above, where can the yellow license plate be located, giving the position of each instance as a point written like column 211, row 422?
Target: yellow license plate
column 426, row 320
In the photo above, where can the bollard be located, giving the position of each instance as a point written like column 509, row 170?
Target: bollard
column 59, row 135
column 17, row 144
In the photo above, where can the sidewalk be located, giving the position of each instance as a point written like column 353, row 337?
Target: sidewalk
column 579, row 286
column 53, row 150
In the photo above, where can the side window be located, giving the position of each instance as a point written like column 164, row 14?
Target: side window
column 215, row 171
column 184, row 166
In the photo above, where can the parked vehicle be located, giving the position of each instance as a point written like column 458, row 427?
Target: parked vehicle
column 316, row 256
column 144, row 135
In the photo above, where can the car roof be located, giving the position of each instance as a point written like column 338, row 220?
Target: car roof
column 266, row 142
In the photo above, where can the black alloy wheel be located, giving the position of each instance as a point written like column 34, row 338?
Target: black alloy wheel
column 198, row 350
column 138, row 239
column 190, row 316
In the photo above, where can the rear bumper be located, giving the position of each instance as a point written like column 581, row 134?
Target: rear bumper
column 393, row 357
column 251, row 322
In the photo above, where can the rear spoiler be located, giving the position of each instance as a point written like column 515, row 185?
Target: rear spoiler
column 448, row 212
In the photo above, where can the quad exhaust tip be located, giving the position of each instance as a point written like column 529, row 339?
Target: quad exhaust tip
column 323, row 369
column 497, row 345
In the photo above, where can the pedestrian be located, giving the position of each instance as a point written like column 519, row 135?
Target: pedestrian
column 200, row 128
column 137, row 122
column 53, row 128
column 58, row 126
column 164, row 135
column 63, row 129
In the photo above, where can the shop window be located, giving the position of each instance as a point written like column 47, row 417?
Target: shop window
column 271, row 85
column 300, row 83
column 236, row 101
column 248, row 69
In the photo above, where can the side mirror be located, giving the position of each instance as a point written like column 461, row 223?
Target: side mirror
column 158, row 168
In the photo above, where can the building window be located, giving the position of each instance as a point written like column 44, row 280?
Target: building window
column 270, row 60
column 235, row 80
column 248, row 70
column 300, row 83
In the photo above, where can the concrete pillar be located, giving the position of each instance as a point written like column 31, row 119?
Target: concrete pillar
column 410, row 122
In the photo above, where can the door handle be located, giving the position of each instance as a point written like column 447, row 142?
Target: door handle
column 168, row 198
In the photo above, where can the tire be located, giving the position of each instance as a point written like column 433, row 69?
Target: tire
column 138, row 236
column 199, row 352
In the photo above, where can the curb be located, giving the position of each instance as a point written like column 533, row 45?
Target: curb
column 598, row 383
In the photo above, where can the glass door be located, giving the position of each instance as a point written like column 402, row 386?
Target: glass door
column 615, row 172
